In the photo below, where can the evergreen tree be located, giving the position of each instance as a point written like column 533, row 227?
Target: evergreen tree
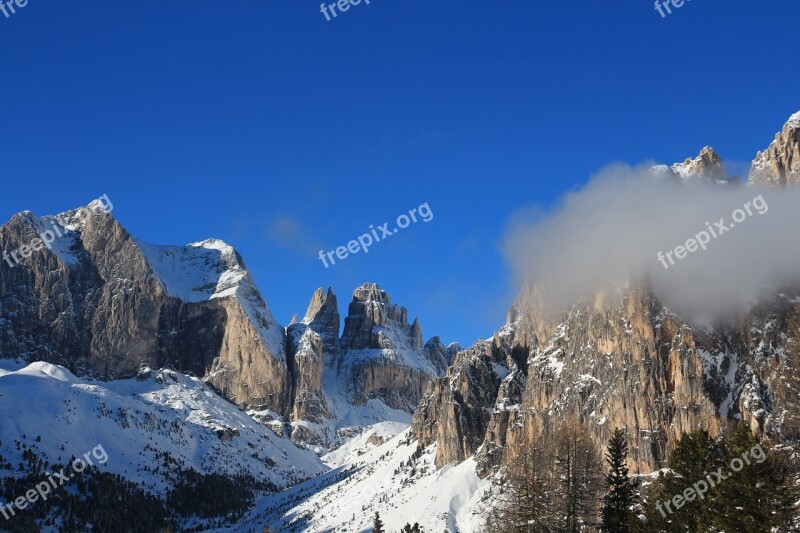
column 377, row 524
column 522, row 504
column 759, row 496
column 408, row 528
column 617, row 516
column 716, row 487
column 695, row 455
column 577, row 468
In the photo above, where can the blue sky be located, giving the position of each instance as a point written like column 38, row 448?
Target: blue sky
column 261, row 123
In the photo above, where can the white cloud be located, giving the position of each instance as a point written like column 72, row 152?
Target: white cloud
column 610, row 232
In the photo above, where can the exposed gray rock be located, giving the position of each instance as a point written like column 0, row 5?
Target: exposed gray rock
column 706, row 166
column 608, row 364
column 454, row 414
column 309, row 342
column 101, row 303
column 441, row 355
column 779, row 164
column 383, row 357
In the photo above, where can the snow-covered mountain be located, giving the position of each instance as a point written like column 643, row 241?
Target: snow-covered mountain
column 170, row 358
column 630, row 363
column 102, row 303
column 779, row 164
column 139, row 418
column 707, row 166
column 154, row 429
column 377, row 371
column 383, row 470
column 96, row 312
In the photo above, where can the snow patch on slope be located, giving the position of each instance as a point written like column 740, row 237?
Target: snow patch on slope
column 396, row 479
column 349, row 422
column 209, row 270
column 137, row 421
column 198, row 271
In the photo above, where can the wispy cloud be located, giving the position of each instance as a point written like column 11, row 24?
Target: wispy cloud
column 289, row 233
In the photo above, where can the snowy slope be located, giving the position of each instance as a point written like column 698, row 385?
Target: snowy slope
column 138, row 420
column 347, row 421
column 209, row 270
column 397, row 348
column 196, row 272
column 378, row 477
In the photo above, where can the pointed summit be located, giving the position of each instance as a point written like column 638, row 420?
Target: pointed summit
column 370, row 312
column 370, row 292
column 310, row 342
column 707, row 165
column 779, row 164
column 322, row 303
column 323, row 317
column 383, row 356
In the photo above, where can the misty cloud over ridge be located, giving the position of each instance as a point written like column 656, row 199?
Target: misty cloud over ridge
column 610, row 232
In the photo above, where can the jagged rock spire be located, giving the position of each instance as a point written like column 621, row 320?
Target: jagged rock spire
column 779, row 164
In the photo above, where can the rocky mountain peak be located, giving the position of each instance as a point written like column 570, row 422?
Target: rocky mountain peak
column 323, row 317
column 371, row 312
column 416, row 333
column 779, row 164
column 322, row 305
column 370, row 292
column 114, row 303
column 707, row 165
column 382, row 355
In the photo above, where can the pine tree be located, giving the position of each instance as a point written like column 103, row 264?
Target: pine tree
column 760, row 496
column 522, row 504
column 577, row 467
column 377, row 525
column 695, row 455
column 621, row 495
column 756, row 498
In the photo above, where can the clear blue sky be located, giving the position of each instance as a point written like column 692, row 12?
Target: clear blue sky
column 263, row 124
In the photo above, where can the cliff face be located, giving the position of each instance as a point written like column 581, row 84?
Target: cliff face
column 99, row 302
column 102, row 303
column 752, row 365
column 626, row 363
column 309, row 342
column 629, row 364
column 55, row 299
column 707, row 165
column 455, row 413
column 383, row 357
column 779, row 164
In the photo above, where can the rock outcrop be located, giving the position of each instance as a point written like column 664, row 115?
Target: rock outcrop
column 440, row 354
column 454, row 414
column 625, row 363
column 383, row 357
column 779, row 164
column 102, row 303
column 706, row 166
column 309, row 342
column 631, row 364
column 376, row 371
